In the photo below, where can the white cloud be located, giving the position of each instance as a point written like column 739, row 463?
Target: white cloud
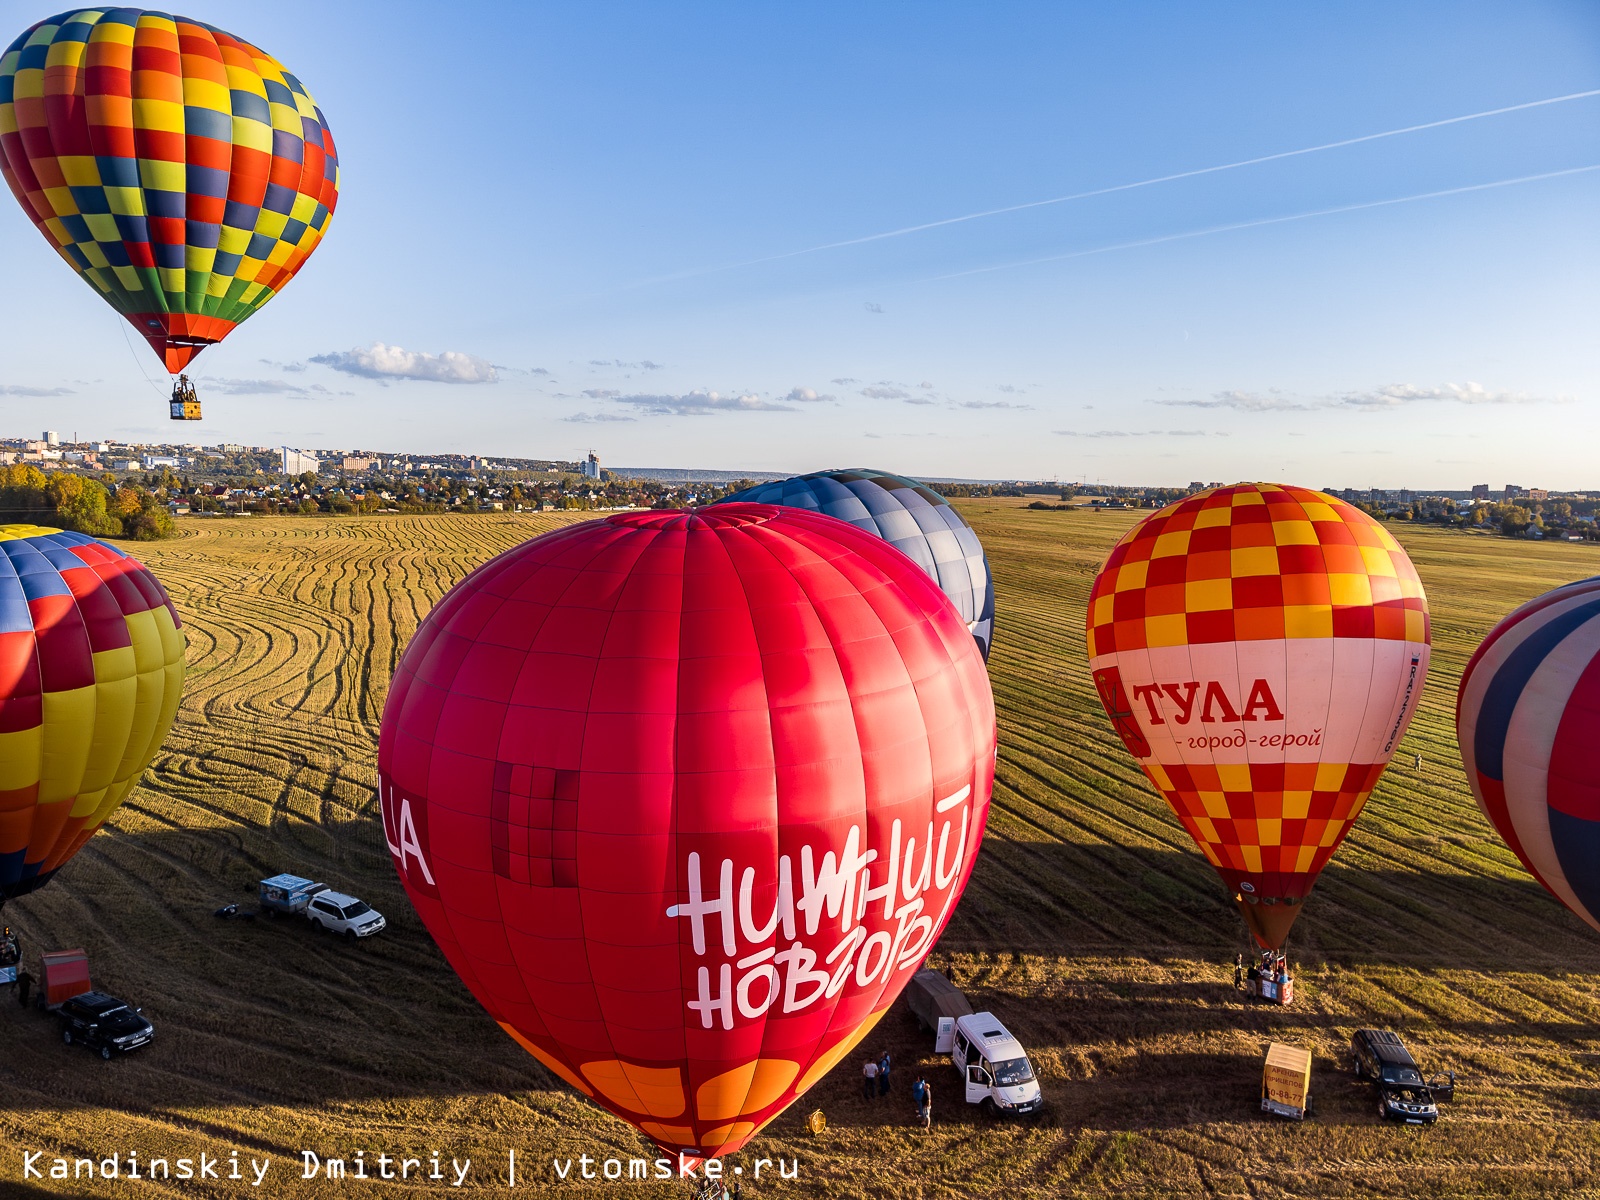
column 805, row 395
column 873, row 308
column 697, row 403
column 996, row 404
column 380, row 361
column 885, row 393
column 261, row 387
column 14, row 389
column 1137, row 433
column 917, row 400
column 1252, row 402
column 602, row 393
column 1394, row 395
column 583, row 416
column 1391, row 395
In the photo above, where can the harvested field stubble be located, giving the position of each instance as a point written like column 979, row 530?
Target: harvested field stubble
column 1092, row 927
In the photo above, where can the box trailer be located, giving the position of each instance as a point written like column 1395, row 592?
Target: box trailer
column 1286, row 1081
column 288, row 894
column 66, row 974
column 937, row 1004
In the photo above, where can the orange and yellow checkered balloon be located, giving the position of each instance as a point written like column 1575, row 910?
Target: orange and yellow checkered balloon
column 91, row 667
column 1261, row 650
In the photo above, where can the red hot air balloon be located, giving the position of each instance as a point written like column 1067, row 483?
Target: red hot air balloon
column 686, row 797
column 1528, row 720
column 1261, row 650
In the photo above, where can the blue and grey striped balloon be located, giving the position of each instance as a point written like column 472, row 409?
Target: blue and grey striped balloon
column 910, row 516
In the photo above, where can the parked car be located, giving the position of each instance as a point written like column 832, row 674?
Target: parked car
column 103, row 1023
column 996, row 1069
column 1403, row 1094
column 334, row 912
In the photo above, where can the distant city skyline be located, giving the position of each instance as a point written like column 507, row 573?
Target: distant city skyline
column 1139, row 245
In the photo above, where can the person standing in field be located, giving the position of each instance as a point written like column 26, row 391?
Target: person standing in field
column 869, row 1085
column 1238, row 972
column 883, row 1074
column 925, row 1106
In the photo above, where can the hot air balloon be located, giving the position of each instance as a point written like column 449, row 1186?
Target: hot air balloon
column 1260, row 650
column 911, row 517
column 185, row 174
column 91, row 667
column 1528, row 720
column 685, row 797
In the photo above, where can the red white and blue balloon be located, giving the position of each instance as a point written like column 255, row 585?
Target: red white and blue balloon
column 1528, row 718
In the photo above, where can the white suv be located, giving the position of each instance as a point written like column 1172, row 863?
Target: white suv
column 334, row 912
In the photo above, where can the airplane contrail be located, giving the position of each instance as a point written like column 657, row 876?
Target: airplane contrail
column 1125, row 187
column 1320, row 212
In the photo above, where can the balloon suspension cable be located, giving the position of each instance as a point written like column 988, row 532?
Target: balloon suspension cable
column 138, row 362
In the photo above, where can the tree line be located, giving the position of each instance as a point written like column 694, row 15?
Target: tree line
column 83, row 504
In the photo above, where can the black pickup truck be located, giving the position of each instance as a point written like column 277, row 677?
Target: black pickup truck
column 103, row 1023
column 1403, row 1094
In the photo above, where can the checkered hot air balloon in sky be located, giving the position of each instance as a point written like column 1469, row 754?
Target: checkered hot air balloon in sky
column 91, row 668
column 911, row 517
column 686, row 797
column 181, row 171
column 1260, row 650
column 1528, row 720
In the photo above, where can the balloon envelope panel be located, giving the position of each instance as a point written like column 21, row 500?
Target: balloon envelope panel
column 181, row 171
column 1528, row 722
column 1261, row 650
column 91, row 669
column 685, row 798
column 911, row 517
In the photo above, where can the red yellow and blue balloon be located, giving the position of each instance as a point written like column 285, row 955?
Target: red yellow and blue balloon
column 91, row 668
column 181, row 171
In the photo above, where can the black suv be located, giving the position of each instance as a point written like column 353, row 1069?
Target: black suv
column 1403, row 1094
column 103, row 1023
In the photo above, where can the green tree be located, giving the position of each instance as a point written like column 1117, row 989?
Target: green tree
column 1514, row 519
column 80, row 503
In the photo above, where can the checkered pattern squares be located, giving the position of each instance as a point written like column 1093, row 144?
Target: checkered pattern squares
column 1255, row 562
column 1266, row 820
column 182, row 172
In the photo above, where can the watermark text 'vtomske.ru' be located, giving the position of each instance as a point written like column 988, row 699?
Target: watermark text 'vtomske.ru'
column 431, row 1169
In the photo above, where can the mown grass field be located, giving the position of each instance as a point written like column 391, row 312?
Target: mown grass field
column 1092, row 926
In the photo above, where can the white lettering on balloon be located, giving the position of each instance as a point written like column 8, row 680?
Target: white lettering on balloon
column 773, row 965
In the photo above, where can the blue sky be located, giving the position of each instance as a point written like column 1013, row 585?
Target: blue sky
column 581, row 226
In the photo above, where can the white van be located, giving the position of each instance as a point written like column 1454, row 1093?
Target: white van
column 996, row 1069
